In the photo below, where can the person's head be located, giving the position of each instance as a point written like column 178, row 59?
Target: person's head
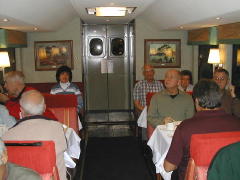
column 32, row 103
column 186, row 78
column 148, row 72
column 221, row 77
column 3, row 153
column 64, row 74
column 14, row 82
column 172, row 79
column 207, row 95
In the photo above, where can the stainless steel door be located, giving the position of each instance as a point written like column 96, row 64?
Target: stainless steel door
column 107, row 67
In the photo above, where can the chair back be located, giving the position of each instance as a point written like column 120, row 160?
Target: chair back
column 148, row 100
column 64, row 107
column 203, row 148
column 37, row 155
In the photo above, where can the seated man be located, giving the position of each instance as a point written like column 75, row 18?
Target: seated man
column 170, row 104
column 186, row 82
column 11, row 171
column 15, row 86
column 34, row 126
column 144, row 86
column 208, row 119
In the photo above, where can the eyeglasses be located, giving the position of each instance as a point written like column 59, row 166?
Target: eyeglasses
column 219, row 79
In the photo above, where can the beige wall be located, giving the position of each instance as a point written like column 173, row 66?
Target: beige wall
column 144, row 30
column 25, row 56
column 72, row 31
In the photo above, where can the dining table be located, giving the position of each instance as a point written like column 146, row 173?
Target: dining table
column 160, row 142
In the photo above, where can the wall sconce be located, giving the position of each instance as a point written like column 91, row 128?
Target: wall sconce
column 4, row 60
column 214, row 58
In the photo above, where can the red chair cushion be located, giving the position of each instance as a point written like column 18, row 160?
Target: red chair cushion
column 203, row 147
column 42, row 158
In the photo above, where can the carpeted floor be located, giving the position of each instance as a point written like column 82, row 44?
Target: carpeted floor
column 115, row 158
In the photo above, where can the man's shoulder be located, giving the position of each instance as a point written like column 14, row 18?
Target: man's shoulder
column 21, row 173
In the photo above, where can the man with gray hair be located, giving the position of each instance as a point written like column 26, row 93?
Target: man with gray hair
column 15, row 86
column 34, row 126
column 10, row 171
column 210, row 118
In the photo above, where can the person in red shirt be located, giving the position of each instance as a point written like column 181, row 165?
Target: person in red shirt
column 15, row 86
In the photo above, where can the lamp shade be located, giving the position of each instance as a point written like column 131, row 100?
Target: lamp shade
column 4, row 60
column 214, row 57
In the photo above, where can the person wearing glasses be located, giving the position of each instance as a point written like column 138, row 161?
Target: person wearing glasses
column 221, row 77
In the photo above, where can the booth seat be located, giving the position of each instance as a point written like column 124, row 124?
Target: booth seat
column 203, row 148
column 37, row 155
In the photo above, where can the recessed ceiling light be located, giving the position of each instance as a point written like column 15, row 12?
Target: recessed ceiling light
column 218, row 18
column 181, row 27
column 107, row 20
column 35, row 29
column 5, row 20
column 110, row 11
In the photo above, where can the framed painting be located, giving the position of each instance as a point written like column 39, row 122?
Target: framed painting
column 163, row 53
column 50, row 55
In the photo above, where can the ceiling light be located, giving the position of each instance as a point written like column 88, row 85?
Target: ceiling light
column 110, row 11
column 181, row 27
column 5, row 20
column 35, row 28
column 218, row 18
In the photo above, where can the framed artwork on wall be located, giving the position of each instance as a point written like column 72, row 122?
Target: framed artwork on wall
column 163, row 53
column 50, row 55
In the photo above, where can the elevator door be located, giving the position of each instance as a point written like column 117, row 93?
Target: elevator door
column 107, row 68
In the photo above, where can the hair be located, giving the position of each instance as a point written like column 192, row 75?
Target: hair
column 16, row 76
column 62, row 69
column 187, row 73
column 33, row 103
column 221, row 70
column 208, row 94
column 2, row 149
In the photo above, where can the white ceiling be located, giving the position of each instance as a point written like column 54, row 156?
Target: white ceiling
column 49, row 15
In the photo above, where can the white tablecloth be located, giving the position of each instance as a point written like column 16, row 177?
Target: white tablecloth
column 160, row 142
column 73, row 150
column 142, row 120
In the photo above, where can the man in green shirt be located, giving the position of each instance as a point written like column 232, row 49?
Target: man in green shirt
column 170, row 104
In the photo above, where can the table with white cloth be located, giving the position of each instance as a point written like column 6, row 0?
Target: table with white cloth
column 160, row 142
column 73, row 147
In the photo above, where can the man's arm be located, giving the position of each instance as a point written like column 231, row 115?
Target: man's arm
column 138, row 105
column 169, row 166
column 154, row 118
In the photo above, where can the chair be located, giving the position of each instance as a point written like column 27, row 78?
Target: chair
column 37, row 155
column 150, row 129
column 64, row 107
column 203, row 147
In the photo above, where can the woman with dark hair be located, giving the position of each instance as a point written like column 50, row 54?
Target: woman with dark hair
column 65, row 85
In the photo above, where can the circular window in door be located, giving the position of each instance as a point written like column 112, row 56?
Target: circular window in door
column 117, row 46
column 96, row 47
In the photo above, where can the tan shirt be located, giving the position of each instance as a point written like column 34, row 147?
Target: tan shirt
column 42, row 129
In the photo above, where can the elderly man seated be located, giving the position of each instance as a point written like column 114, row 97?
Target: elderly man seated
column 170, row 104
column 34, row 126
column 15, row 86
column 10, row 171
column 208, row 119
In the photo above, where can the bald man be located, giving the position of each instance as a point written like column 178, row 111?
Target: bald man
column 170, row 104
column 34, row 126
column 144, row 86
